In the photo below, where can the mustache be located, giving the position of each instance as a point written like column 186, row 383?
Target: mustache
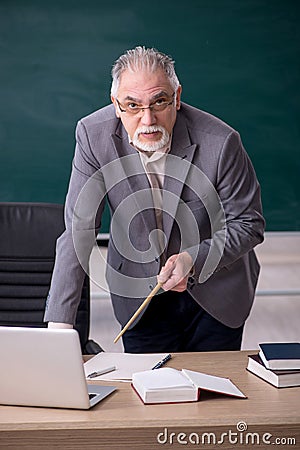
column 151, row 129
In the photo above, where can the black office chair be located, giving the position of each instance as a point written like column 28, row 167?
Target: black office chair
column 28, row 233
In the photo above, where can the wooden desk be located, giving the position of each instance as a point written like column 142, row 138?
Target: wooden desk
column 122, row 422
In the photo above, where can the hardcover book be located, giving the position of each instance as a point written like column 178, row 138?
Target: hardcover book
column 280, row 355
column 167, row 385
column 278, row 378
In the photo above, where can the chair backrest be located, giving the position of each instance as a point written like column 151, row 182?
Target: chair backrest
column 28, row 233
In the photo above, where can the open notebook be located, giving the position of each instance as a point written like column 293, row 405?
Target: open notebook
column 43, row 367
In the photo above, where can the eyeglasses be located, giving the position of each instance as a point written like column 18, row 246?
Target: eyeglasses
column 159, row 105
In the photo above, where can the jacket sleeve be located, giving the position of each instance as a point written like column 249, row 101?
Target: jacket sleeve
column 83, row 210
column 238, row 225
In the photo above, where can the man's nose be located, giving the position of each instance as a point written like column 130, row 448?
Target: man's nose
column 148, row 117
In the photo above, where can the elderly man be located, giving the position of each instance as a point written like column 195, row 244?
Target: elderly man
column 185, row 209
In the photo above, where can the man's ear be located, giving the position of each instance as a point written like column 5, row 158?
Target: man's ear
column 178, row 96
column 116, row 106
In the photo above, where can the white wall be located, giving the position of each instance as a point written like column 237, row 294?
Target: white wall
column 276, row 317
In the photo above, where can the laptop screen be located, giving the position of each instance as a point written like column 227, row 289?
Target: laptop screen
column 43, row 367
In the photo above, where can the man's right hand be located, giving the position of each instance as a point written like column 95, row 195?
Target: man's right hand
column 59, row 325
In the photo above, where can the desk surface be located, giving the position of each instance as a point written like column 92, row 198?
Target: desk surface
column 122, row 421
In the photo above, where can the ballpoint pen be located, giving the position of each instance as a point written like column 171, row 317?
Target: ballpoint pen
column 101, row 372
column 162, row 362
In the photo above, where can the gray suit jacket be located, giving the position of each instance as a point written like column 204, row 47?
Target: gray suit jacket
column 211, row 208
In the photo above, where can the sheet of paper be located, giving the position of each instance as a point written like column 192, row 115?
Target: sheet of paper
column 126, row 364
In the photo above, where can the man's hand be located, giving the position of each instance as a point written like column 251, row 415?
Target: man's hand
column 59, row 325
column 175, row 273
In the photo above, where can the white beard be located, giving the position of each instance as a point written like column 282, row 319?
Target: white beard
column 151, row 146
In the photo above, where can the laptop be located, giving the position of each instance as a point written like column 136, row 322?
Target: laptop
column 44, row 367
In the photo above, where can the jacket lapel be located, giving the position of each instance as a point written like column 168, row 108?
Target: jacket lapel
column 176, row 171
column 177, row 168
column 132, row 172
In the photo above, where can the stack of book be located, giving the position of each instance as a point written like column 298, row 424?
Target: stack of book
column 277, row 363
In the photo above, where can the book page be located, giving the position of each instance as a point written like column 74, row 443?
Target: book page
column 213, row 383
column 126, row 364
column 164, row 378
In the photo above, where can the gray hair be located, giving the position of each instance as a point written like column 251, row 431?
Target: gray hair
column 141, row 58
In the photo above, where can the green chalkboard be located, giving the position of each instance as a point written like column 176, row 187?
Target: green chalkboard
column 238, row 59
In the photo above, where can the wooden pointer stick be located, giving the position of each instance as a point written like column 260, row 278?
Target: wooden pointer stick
column 138, row 311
